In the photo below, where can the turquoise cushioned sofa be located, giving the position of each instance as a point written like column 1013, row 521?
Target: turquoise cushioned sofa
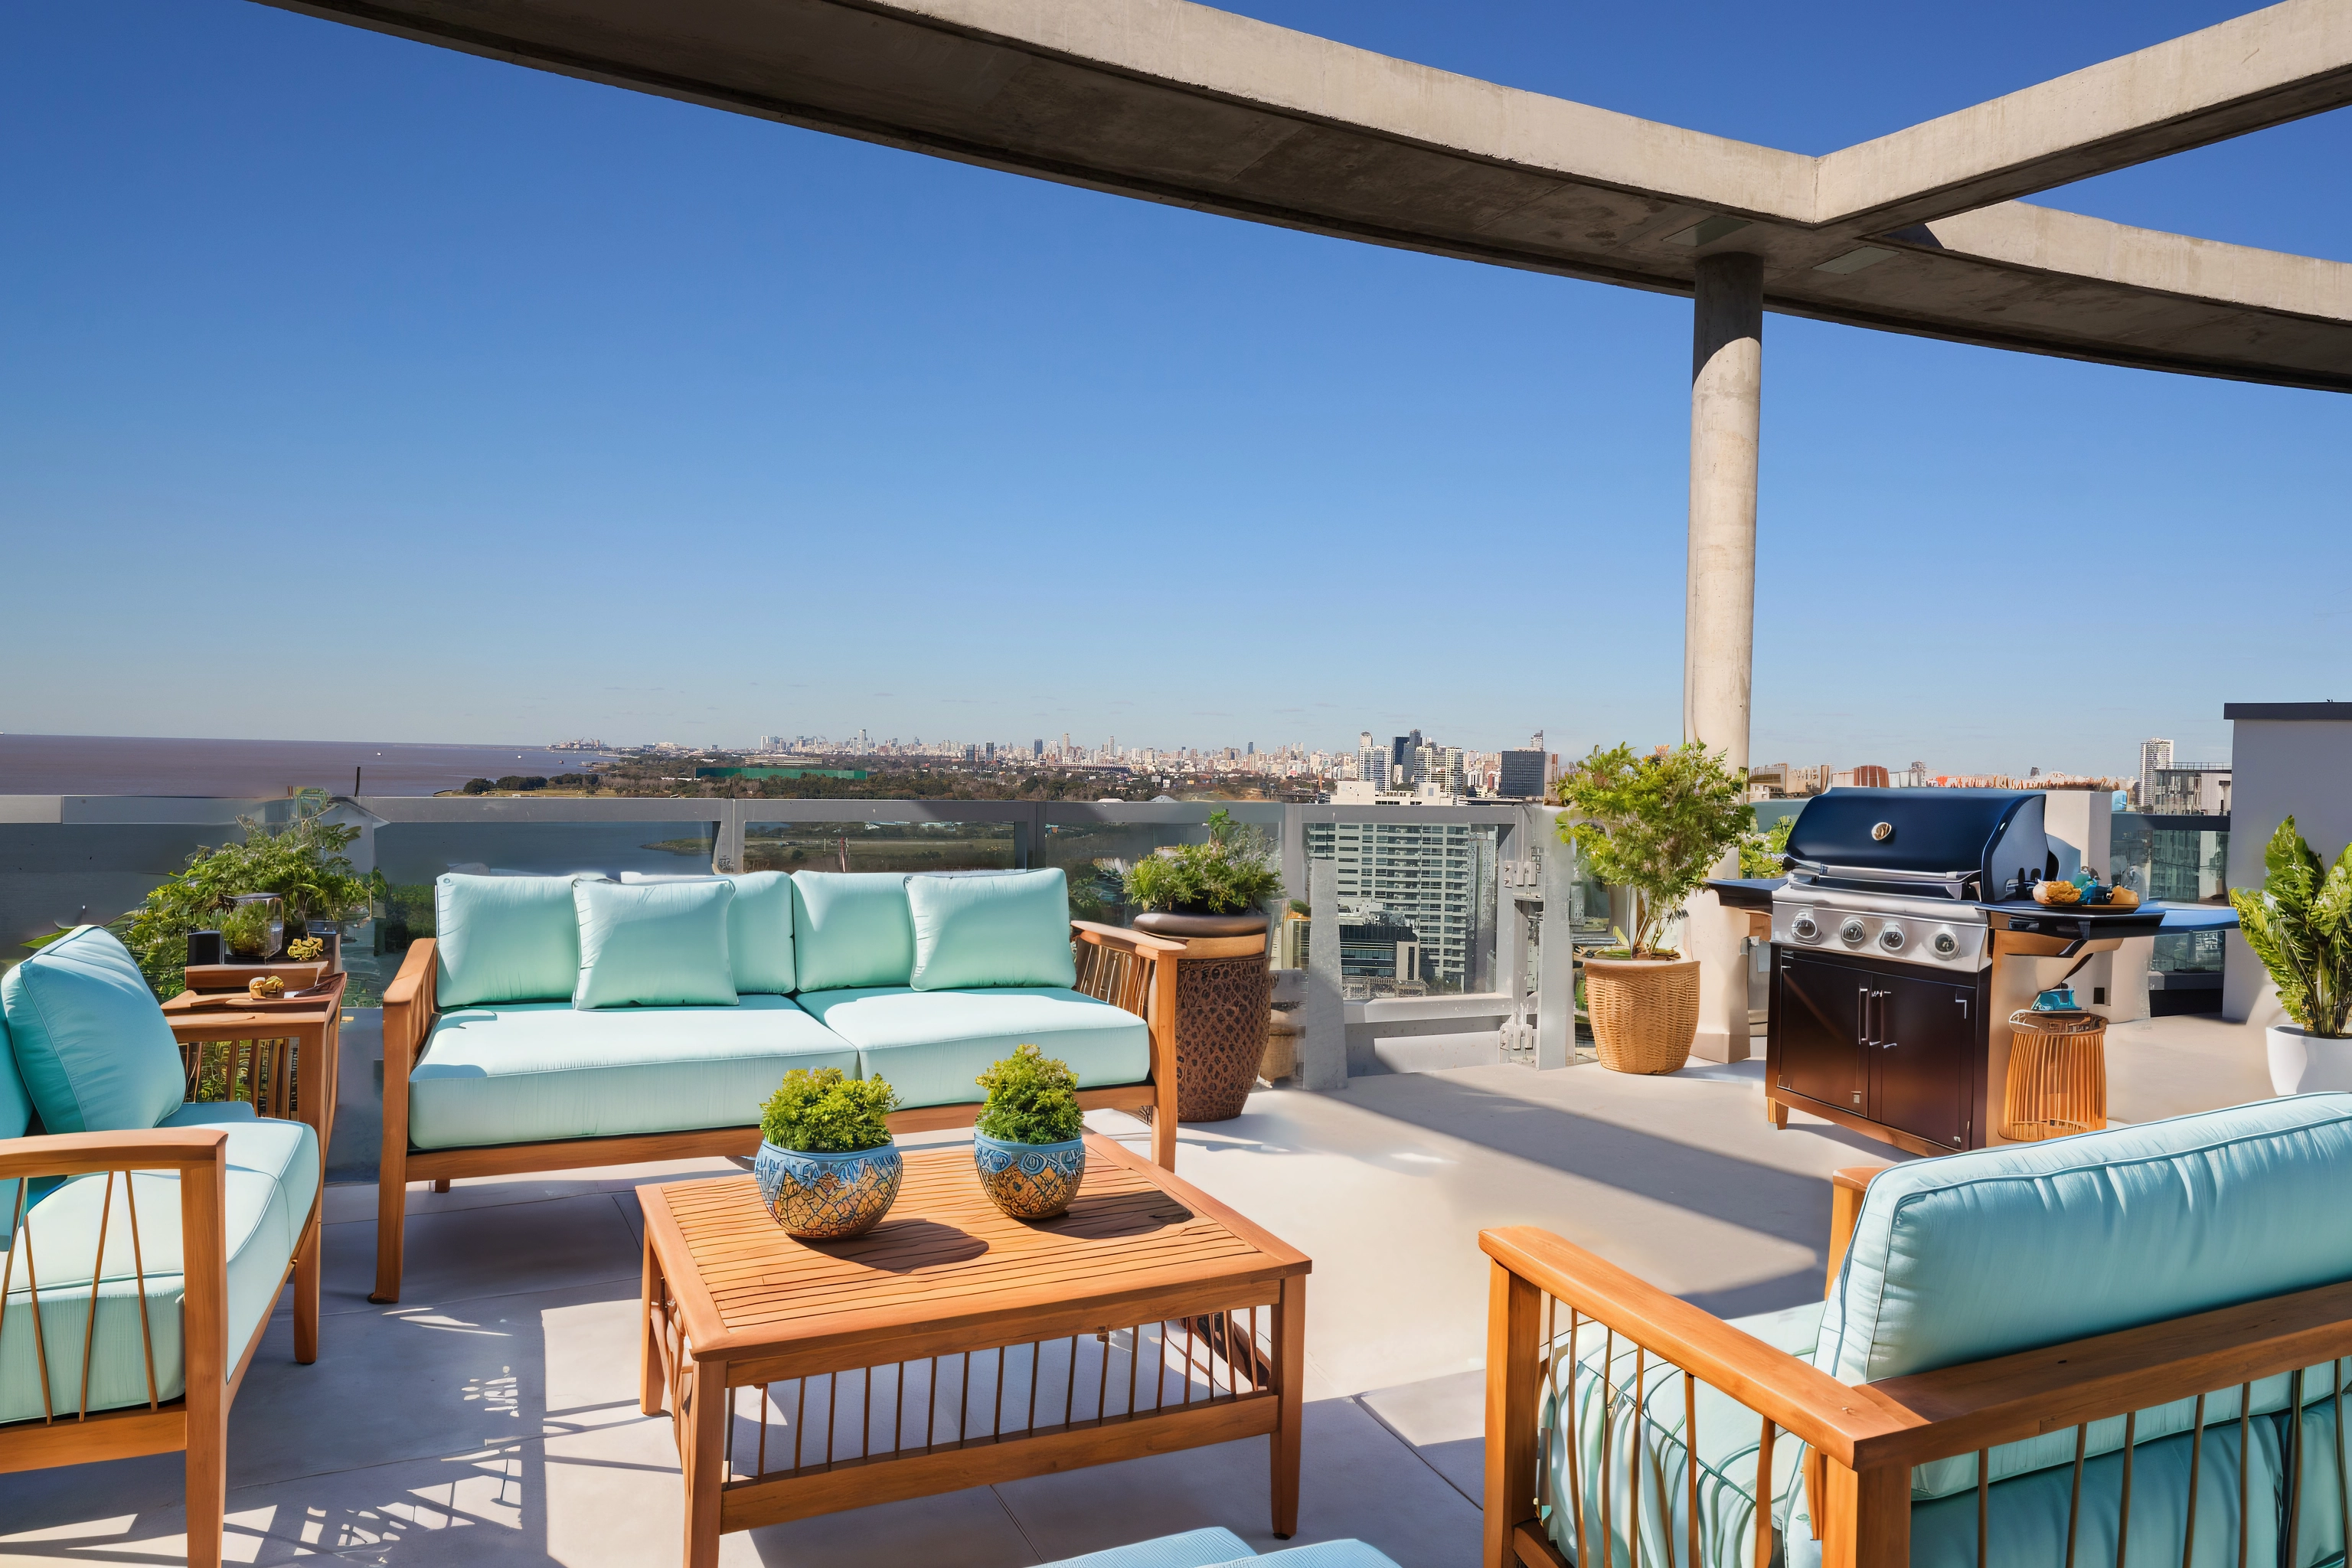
column 513, row 1041
column 2172, row 1227
column 144, row 1240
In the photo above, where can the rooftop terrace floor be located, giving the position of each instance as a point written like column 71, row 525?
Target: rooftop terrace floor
column 491, row 1417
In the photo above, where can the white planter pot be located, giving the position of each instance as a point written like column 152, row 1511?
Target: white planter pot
column 2304, row 1064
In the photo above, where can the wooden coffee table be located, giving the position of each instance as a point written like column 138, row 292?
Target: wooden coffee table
column 952, row 1347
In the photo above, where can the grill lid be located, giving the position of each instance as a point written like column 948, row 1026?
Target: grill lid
column 1911, row 838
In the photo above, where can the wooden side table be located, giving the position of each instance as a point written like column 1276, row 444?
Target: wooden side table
column 288, row 1050
column 952, row 1347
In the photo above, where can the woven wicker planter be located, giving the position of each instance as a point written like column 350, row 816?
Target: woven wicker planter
column 1644, row 1012
column 1224, row 994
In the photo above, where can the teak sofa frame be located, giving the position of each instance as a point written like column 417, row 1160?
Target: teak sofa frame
column 197, row 1422
column 1863, row 1440
column 1124, row 968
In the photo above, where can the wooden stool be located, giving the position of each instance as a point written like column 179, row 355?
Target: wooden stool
column 2057, row 1075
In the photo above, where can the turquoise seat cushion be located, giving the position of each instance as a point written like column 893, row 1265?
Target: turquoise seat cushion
column 2026, row 1517
column 660, row 944
column 1727, row 1444
column 850, row 929
column 533, row 1073
column 1193, row 1549
column 88, row 1037
column 15, row 1116
column 273, row 1179
column 1971, row 1255
column 933, row 1045
column 1347, row 1554
column 760, row 933
column 504, row 939
column 1008, row 929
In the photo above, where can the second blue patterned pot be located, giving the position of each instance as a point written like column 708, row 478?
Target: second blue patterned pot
column 827, row 1197
column 1029, row 1181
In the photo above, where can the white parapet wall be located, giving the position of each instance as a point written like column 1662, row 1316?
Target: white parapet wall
column 2289, row 759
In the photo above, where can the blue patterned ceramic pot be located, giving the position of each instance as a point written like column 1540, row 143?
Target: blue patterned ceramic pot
column 827, row 1197
column 1029, row 1181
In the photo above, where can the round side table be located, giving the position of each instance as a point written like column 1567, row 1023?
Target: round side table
column 2057, row 1075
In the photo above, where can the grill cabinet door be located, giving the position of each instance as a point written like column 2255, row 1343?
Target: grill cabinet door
column 1918, row 1042
column 1817, row 1015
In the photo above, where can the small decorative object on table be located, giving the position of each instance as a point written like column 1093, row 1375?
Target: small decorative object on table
column 827, row 1169
column 1029, row 1144
column 305, row 949
column 253, row 927
column 265, row 988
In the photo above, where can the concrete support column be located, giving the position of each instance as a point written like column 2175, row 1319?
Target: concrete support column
column 1720, row 605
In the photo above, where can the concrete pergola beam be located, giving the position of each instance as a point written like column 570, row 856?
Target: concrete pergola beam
column 1183, row 104
column 2246, row 74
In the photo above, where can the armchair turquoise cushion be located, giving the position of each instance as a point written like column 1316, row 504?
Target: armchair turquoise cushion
column 851, row 928
column 659, row 944
column 504, row 939
column 1007, row 929
column 88, row 1037
column 15, row 1116
column 273, row 1180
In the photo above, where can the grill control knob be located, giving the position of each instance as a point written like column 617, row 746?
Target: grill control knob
column 1851, row 931
column 1946, row 944
column 1891, row 938
column 1804, row 928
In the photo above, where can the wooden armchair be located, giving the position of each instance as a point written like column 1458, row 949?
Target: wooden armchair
column 1863, row 1441
column 1128, row 969
column 196, row 1421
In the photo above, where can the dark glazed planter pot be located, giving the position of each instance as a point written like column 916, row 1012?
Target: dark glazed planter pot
column 1223, row 998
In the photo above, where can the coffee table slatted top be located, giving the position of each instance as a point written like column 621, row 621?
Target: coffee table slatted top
column 945, row 1257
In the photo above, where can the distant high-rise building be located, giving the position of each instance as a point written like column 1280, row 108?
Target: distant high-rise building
column 1371, row 761
column 1036, row 748
column 2154, row 756
column 1870, row 775
column 1250, row 749
column 1402, row 751
column 1522, row 776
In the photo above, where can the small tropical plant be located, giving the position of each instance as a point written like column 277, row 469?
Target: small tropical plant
column 1760, row 853
column 2300, row 926
column 1234, row 870
column 1655, row 823
column 825, row 1112
column 303, row 863
column 1031, row 1099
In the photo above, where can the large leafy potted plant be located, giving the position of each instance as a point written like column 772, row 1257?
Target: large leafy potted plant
column 2300, row 925
column 1212, row 897
column 826, row 1168
column 1658, row 824
column 1029, row 1144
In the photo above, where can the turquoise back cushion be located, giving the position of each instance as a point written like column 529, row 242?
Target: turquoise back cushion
column 851, row 928
column 1969, row 1256
column 504, row 939
column 760, row 933
column 1009, row 930
column 90, row 1038
column 661, row 944
column 15, row 1116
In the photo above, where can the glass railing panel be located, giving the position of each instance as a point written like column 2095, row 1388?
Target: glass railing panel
column 2176, row 858
column 880, row 846
column 1095, row 845
column 411, row 855
column 1417, row 894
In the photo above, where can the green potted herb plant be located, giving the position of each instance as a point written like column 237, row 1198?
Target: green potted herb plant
column 827, row 1169
column 2300, row 925
column 1029, row 1144
column 1658, row 824
column 1212, row 897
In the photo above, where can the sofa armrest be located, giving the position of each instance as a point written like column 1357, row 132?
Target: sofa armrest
column 86, row 1154
column 1148, row 988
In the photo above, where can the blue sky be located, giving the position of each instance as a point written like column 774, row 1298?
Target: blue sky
column 508, row 407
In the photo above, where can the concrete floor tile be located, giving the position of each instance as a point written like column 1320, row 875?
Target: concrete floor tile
column 1357, row 1479
column 458, row 1254
column 1443, row 1420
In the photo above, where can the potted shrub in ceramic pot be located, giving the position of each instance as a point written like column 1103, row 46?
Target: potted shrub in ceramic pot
column 1212, row 897
column 1029, row 1143
column 2300, row 926
column 827, row 1169
column 1658, row 824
